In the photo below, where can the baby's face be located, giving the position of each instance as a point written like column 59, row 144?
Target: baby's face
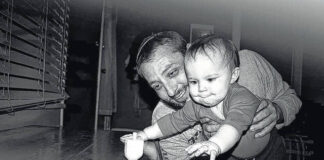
column 208, row 80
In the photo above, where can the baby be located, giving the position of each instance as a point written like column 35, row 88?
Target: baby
column 212, row 69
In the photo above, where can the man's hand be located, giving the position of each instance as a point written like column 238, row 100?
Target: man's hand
column 266, row 118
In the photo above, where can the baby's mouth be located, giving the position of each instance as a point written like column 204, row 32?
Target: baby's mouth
column 203, row 96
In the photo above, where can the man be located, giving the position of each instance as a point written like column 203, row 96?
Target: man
column 160, row 63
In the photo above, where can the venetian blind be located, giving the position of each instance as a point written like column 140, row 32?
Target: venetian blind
column 33, row 52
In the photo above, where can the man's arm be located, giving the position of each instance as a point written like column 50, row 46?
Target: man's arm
column 151, row 132
column 262, row 79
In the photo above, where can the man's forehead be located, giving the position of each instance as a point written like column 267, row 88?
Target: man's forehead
column 165, row 56
column 164, row 51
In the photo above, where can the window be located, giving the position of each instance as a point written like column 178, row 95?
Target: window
column 33, row 53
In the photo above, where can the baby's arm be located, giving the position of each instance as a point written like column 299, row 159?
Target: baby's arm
column 149, row 133
column 225, row 138
column 152, row 132
column 170, row 124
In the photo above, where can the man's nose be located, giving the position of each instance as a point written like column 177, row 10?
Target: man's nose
column 171, row 89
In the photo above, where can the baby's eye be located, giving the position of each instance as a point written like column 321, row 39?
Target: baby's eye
column 211, row 79
column 192, row 82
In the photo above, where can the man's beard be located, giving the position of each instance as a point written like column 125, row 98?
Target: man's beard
column 174, row 105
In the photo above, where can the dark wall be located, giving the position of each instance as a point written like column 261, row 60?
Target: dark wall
column 81, row 83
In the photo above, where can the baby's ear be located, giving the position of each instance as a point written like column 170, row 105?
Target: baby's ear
column 235, row 74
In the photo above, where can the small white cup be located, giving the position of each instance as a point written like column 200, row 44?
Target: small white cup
column 134, row 149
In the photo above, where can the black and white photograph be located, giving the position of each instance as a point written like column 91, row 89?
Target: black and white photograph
column 161, row 80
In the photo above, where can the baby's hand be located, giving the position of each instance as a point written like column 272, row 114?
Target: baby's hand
column 207, row 147
column 126, row 137
column 140, row 135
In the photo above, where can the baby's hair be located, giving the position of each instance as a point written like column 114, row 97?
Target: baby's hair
column 210, row 45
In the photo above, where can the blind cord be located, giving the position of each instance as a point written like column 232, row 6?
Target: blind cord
column 11, row 112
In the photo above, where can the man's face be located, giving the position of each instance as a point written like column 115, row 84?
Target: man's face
column 208, row 80
column 165, row 74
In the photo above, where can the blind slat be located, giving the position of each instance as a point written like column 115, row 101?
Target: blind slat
column 18, row 57
column 53, row 70
column 37, row 63
column 27, row 10
column 22, row 34
column 23, row 71
column 8, row 104
column 27, row 95
column 26, row 84
column 54, row 44
column 52, row 59
column 21, row 45
column 22, row 83
column 57, row 32
column 23, row 21
column 21, row 58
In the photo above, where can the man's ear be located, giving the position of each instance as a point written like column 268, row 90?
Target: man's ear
column 235, row 74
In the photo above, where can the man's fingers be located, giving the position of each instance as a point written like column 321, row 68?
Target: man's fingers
column 212, row 155
column 263, row 104
column 265, row 130
column 262, row 123
column 262, row 114
column 265, row 119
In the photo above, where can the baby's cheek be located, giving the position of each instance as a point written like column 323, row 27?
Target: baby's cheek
column 196, row 99
column 193, row 91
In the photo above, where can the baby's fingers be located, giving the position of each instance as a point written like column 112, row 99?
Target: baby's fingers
column 212, row 155
column 193, row 148
column 196, row 150
column 126, row 137
column 201, row 150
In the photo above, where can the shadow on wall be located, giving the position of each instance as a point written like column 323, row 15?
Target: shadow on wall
column 81, row 85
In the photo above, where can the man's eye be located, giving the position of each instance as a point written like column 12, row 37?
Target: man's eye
column 173, row 73
column 156, row 86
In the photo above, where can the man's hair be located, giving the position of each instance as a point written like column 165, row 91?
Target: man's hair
column 210, row 45
column 173, row 40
